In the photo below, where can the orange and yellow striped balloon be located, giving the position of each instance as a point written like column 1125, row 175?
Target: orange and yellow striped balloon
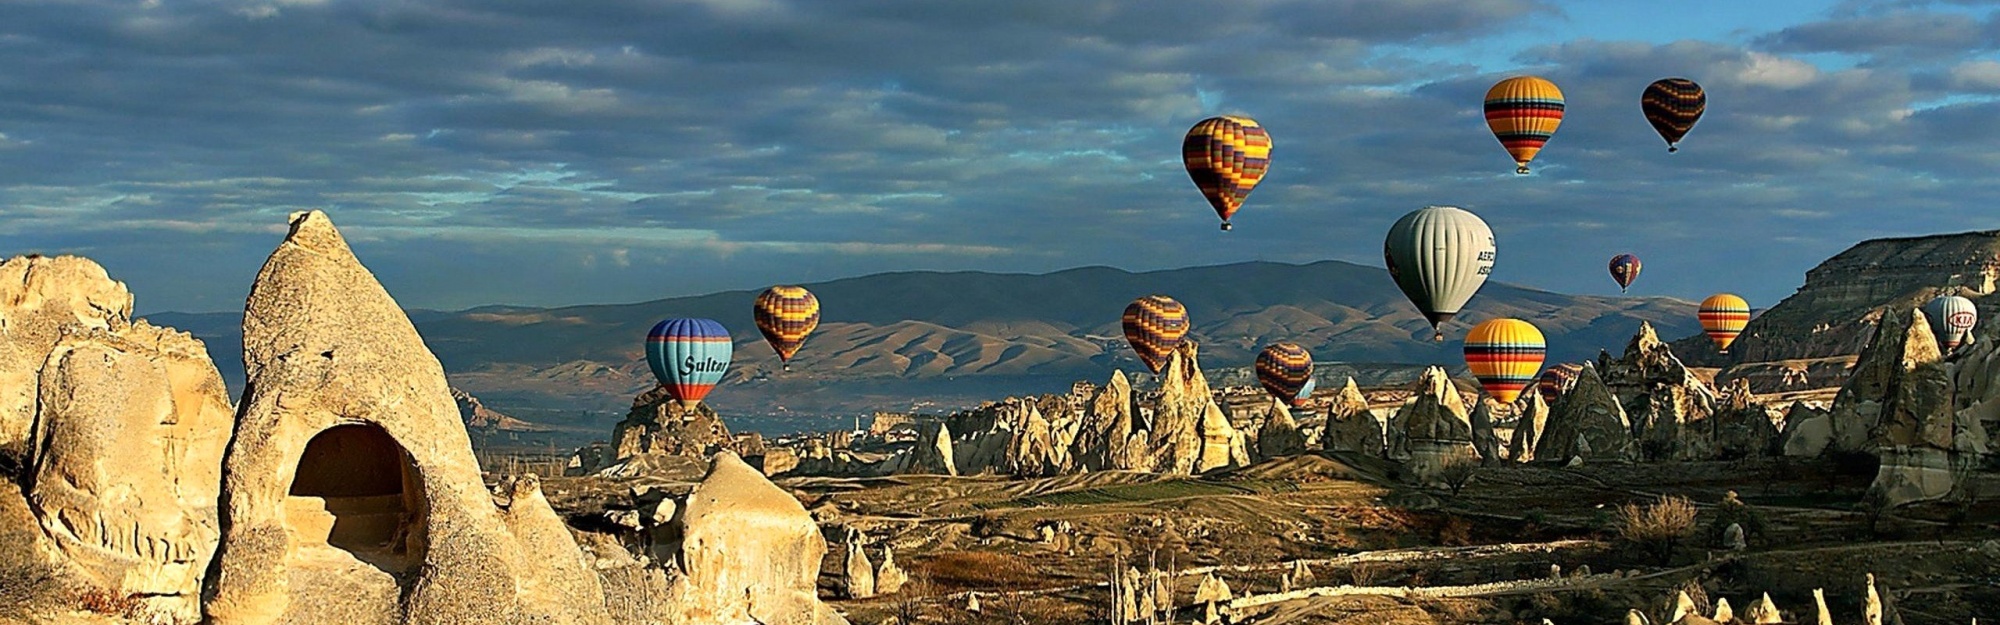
column 1155, row 325
column 786, row 314
column 1723, row 316
column 1226, row 156
column 1523, row 113
column 1505, row 354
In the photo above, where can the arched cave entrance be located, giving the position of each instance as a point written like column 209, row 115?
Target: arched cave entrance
column 356, row 490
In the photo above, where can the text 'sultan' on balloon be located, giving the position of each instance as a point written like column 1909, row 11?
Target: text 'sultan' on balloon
column 1523, row 112
column 1439, row 256
column 1226, row 156
column 1672, row 106
column 1624, row 269
column 1723, row 316
column 1952, row 318
column 1505, row 355
column 689, row 357
column 786, row 315
column 1155, row 325
column 1285, row 370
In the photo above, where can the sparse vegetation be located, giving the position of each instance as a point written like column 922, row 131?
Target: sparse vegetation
column 1734, row 510
column 1457, row 473
column 1657, row 528
column 977, row 569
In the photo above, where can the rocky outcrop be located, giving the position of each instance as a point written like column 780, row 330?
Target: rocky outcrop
column 1484, row 439
column 1741, row 427
column 1189, row 433
column 350, row 492
column 889, row 578
column 1528, row 428
column 933, row 453
column 857, row 573
column 1432, row 429
column 746, row 552
column 1667, row 406
column 119, row 429
column 480, row 418
column 1900, row 405
column 1808, row 431
column 660, row 436
column 1588, row 423
column 1350, row 426
column 1279, row 436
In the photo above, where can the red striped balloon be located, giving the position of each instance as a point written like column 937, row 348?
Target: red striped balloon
column 1505, row 354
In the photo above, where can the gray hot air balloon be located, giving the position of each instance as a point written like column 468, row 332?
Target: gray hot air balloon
column 1439, row 255
column 1952, row 318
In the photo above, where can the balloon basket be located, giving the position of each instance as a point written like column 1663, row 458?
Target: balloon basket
column 1226, row 227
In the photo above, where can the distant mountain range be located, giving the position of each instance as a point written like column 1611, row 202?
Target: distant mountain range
column 902, row 333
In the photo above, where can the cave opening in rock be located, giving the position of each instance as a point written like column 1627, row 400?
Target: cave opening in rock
column 356, row 490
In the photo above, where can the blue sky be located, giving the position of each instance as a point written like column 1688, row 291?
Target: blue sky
column 546, row 153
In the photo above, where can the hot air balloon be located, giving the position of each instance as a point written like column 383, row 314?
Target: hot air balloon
column 1226, row 157
column 1439, row 256
column 1624, row 269
column 689, row 357
column 1723, row 316
column 1523, row 113
column 1952, row 318
column 1557, row 380
column 1285, row 369
column 786, row 314
column 1305, row 392
column 1672, row 106
column 1154, row 325
column 1504, row 354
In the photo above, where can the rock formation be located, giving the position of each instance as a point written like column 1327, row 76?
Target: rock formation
column 933, row 453
column 747, row 552
column 1279, row 437
column 858, row 575
column 1588, row 423
column 1667, row 407
column 350, row 493
column 889, row 578
column 659, row 436
column 118, row 428
column 1528, row 428
column 1351, row 427
column 1741, row 427
column 1432, row 429
column 1899, row 404
column 1484, row 440
column 478, row 417
column 1808, row 431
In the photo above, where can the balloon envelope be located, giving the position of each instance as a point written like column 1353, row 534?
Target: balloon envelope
column 1439, row 256
column 1226, row 156
column 1672, row 106
column 689, row 357
column 1504, row 354
column 1723, row 316
column 1557, row 380
column 1952, row 318
column 1624, row 269
column 1523, row 113
column 1285, row 370
column 1154, row 325
column 786, row 315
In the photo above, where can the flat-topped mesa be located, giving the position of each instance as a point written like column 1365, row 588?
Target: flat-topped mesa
column 1831, row 313
column 1433, row 429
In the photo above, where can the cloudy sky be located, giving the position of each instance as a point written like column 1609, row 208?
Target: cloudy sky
column 548, row 152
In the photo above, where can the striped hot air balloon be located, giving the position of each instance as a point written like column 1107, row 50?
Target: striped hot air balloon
column 1439, row 256
column 1285, row 369
column 689, row 357
column 1672, row 106
column 786, row 314
column 1557, row 380
column 1723, row 316
column 1951, row 318
column 1505, row 354
column 1624, row 269
column 1523, row 113
column 1154, row 325
column 1226, row 156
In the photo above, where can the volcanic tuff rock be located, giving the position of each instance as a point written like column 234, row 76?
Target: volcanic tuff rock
column 1279, row 436
column 1900, row 405
column 478, row 417
column 349, row 461
column 1528, row 427
column 747, row 552
column 1432, row 429
column 128, row 425
column 1808, row 431
column 1666, row 405
column 1842, row 298
column 1350, row 426
column 1587, row 422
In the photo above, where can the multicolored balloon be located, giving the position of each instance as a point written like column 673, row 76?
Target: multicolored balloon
column 1624, row 269
column 1155, row 325
column 1305, row 392
column 1556, row 380
column 1439, row 256
column 786, row 315
column 1504, row 354
column 1523, row 113
column 689, row 357
column 1226, row 156
column 1723, row 316
column 1286, row 370
column 1951, row 318
column 1672, row 106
